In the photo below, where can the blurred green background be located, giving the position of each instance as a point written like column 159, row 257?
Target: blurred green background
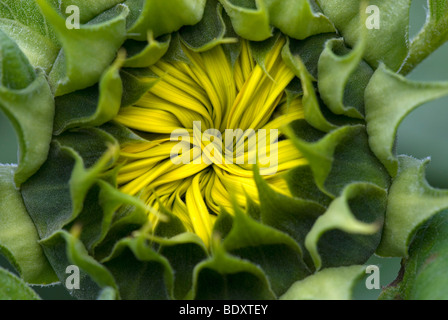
column 423, row 133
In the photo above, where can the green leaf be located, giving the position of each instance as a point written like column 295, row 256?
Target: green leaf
column 50, row 182
column 232, row 279
column 328, row 284
column 350, row 230
column 135, row 85
column 102, row 205
column 297, row 19
column 210, row 31
column 18, row 235
column 163, row 17
column 301, row 185
column 424, row 275
column 313, row 113
column 388, row 44
column 333, row 157
column 265, row 246
column 87, row 8
column 260, row 50
column 183, row 252
column 91, row 160
column 40, row 45
column 77, row 254
column 292, row 216
column 389, row 97
column 26, row 100
column 13, row 288
column 93, row 106
column 223, row 224
column 309, row 50
column 254, row 19
column 15, row 70
column 248, row 16
column 170, row 227
column 411, row 202
column 141, row 273
column 128, row 219
column 145, row 55
column 108, row 293
column 433, row 34
column 175, row 51
column 63, row 250
column 87, row 51
column 71, row 169
column 336, row 93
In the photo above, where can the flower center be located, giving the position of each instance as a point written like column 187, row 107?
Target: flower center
column 207, row 124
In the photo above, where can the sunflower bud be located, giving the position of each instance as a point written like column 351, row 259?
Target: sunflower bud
column 244, row 144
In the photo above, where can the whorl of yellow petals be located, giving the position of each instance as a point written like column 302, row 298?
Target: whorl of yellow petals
column 211, row 92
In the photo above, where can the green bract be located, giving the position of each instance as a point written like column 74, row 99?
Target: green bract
column 61, row 89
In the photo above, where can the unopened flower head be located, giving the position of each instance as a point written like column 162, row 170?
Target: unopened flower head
column 210, row 124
